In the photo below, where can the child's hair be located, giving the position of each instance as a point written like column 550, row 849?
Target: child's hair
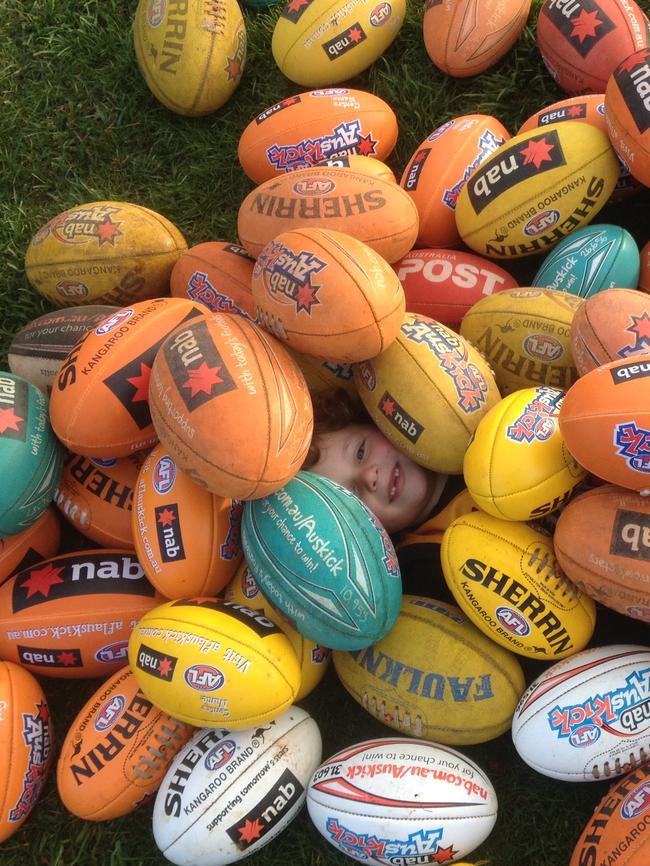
column 334, row 409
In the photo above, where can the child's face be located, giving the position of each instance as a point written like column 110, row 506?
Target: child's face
column 398, row 491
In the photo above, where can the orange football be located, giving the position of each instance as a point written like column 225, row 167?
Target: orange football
column 644, row 277
column 186, row 538
column 39, row 541
column 610, row 325
column 364, row 164
column 96, row 496
column 99, row 405
column 116, row 751
column 231, row 406
column 605, row 422
column 372, row 210
column 439, row 168
column 25, row 745
column 217, row 274
column 627, row 112
column 71, row 615
column 306, row 129
column 326, row 294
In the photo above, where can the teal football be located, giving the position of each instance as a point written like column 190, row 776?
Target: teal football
column 30, row 454
column 322, row 559
column 591, row 259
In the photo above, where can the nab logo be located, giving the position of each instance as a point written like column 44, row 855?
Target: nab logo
column 109, row 713
column 283, row 796
column 114, row 652
column 637, row 801
column 344, row 42
column 632, row 78
column 157, row 664
column 204, row 678
column 513, row 621
column 399, row 417
column 581, row 22
column 584, row 736
column 220, row 754
column 197, row 366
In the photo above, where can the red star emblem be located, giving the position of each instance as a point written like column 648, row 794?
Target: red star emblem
column 164, row 667
column 388, row 407
column 641, row 327
column 9, row 420
column 296, row 5
column 42, row 580
column 585, row 24
column 306, row 297
column 66, row 658
column 43, row 712
column 420, row 156
column 233, row 68
column 202, row 379
column 107, row 231
column 290, row 100
column 537, row 151
column 575, row 111
column 367, row 145
column 443, row 855
column 141, row 384
column 634, row 60
column 355, row 34
column 166, row 517
column 250, row 831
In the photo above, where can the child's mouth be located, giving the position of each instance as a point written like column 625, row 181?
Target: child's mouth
column 394, row 483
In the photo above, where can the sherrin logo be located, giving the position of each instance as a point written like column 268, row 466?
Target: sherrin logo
column 109, row 713
column 204, row 678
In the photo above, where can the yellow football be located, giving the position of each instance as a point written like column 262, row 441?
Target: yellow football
column 427, row 392
column 214, row 663
column 191, row 54
column 103, row 252
column 506, row 579
column 517, row 466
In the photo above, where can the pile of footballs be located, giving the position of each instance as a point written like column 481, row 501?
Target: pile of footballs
column 164, row 409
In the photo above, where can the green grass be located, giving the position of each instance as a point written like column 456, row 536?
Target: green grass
column 78, row 124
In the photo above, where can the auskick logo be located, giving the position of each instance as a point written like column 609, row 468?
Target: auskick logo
column 235, row 64
column 37, row 737
column 633, row 444
column 423, row 844
column 582, row 22
column 538, row 419
column 159, row 665
column 468, row 381
column 512, row 165
column 97, row 224
column 14, row 408
column 200, row 289
column 294, row 10
column 288, row 276
column 487, row 143
column 345, row 139
column 197, row 366
column 640, row 331
column 168, row 530
column 344, row 42
column 46, row 657
column 399, row 417
column 254, row 825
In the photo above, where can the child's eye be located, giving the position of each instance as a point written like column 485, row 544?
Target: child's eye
column 361, row 451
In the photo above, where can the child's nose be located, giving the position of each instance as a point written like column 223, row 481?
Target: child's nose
column 370, row 476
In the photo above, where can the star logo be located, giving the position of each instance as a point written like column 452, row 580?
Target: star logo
column 233, row 68
column 367, row 145
column 355, row 34
column 296, row 5
column 166, row 517
column 141, row 383
column 67, row 659
column 9, row 420
column 585, row 24
column 306, row 297
column 107, row 231
column 641, row 327
column 165, row 667
column 250, row 831
column 575, row 111
column 202, row 379
column 444, row 855
column 43, row 712
column 537, row 151
column 388, row 407
column 634, row 60
column 42, row 580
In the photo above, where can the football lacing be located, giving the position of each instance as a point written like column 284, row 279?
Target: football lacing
column 406, row 722
column 553, row 571
column 149, row 762
column 620, row 768
column 216, row 12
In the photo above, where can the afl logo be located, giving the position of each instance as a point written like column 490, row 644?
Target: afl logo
column 314, row 186
column 330, row 91
column 113, row 652
column 71, row 289
column 249, row 587
column 204, row 678
column 113, row 322
column 156, row 12
column 437, row 133
column 541, row 222
column 367, row 375
column 109, row 713
column 380, row 14
column 543, row 347
column 513, row 621
column 164, row 474
column 637, row 801
column 104, row 464
column 584, row 736
column 220, row 755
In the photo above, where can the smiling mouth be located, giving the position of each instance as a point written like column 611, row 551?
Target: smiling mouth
column 394, row 481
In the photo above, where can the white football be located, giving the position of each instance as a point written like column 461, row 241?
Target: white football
column 586, row 718
column 228, row 793
column 403, row 797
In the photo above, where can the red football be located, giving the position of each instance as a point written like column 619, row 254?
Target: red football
column 608, row 326
column 444, row 284
column 627, row 112
column 583, row 41
column 72, row 615
column 217, row 274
